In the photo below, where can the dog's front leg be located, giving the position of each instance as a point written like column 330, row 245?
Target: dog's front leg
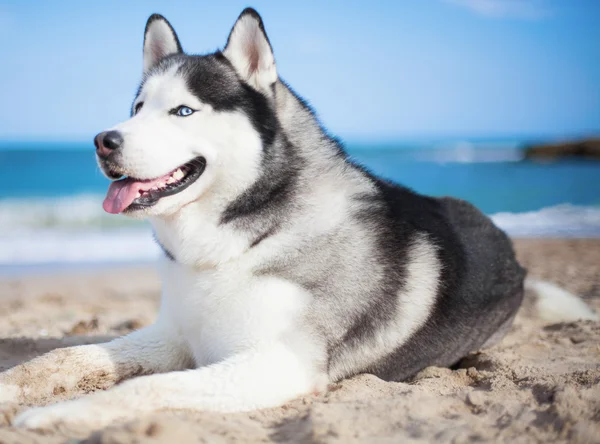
column 87, row 368
column 260, row 378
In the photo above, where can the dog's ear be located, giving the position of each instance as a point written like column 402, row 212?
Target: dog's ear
column 249, row 51
column 160, row 41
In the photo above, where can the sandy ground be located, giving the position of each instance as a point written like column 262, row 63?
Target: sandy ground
column 541, row 384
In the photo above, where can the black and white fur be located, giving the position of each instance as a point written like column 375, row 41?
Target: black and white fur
column 286, row 266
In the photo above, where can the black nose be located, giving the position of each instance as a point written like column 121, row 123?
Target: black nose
column 107, row 141
column 112, row 140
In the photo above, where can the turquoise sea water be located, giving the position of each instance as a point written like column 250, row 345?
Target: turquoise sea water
column 491, row 178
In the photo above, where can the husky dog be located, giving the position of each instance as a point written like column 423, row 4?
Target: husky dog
column 286, row 266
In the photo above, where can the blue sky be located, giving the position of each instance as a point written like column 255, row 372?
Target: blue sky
column 373, row 70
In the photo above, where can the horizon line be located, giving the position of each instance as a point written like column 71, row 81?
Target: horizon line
column 357, row 140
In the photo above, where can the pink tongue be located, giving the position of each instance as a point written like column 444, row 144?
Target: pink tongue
column 122, row 193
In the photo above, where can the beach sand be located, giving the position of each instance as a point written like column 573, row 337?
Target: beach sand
column 540, row 384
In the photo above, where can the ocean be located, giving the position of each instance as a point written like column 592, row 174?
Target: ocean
column 51, row 193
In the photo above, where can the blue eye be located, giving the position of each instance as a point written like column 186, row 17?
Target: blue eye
column 184, row 111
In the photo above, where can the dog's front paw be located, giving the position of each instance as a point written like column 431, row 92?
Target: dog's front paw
column 9, row 393
column 72, row 416
column 39, row 417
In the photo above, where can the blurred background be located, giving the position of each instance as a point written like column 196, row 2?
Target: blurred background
column 493, row 101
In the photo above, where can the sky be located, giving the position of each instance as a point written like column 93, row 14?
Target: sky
column 384, row 70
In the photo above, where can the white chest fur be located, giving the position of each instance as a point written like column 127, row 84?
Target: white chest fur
column 223, row 311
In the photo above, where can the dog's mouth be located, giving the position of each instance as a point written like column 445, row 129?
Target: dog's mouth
column 130, row 194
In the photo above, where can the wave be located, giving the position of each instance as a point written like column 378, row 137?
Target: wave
column 79, row 246
column 76, row 230
column 82, row 210
column 458, row 152
column 559, row 221
column 469, row 154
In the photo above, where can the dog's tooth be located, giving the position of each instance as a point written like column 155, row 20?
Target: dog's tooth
column 178, row 174
column 170, row 180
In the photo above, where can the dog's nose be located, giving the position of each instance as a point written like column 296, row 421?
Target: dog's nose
column 107, row 141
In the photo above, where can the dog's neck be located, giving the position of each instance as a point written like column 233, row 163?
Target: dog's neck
column 195, row 237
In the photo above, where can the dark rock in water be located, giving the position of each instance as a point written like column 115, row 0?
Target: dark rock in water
column 588, row 148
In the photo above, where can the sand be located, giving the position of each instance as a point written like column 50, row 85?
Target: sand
column 540, row 384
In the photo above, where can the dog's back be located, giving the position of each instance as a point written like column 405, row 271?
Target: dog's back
column 481, row 291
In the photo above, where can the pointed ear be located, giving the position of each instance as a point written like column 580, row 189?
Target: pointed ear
column 160, row 41
column 249, row 51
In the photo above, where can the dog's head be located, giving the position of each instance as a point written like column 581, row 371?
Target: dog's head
column 198, row 125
